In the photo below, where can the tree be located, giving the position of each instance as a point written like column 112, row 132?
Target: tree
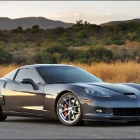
column 35, row 28
column 18, row 30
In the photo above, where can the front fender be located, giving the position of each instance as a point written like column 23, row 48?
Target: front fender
column 55, row 91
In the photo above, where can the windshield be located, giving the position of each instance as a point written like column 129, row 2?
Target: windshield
column 66, row 74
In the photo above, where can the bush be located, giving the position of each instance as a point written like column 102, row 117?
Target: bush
column 5, row 57
column 100, row 54
column 35, row 29
column 56, row 47
column 58, row 30
column 44, row 57
column 18, row 30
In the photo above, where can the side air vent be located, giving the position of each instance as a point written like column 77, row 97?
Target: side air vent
column 131, row 95
column 4, row 84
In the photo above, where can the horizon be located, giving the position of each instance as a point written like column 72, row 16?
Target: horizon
column 64, row 21
column 94, row 12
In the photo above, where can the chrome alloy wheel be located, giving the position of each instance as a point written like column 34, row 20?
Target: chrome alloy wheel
column 69, row 109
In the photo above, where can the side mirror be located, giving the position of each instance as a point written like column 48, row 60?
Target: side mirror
column 30, row 81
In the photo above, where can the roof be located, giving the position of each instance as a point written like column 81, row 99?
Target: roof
column 44, row 65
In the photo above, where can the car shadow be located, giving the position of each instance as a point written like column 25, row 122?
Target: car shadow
column 31, row 120
column 57, row 122
column 110, row 124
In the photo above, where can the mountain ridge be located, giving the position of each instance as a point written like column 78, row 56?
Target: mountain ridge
column 110, row 23
column 45, row 23
column 27, row 22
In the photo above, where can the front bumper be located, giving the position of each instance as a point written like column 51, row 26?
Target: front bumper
column 95, row 112
column 107, row 117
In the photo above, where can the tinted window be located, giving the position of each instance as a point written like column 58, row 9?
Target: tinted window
column 27, row 73
column 10, row 75
column 56, row 74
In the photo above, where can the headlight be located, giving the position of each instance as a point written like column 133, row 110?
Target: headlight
column 97, row 93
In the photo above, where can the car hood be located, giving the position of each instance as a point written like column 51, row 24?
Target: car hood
column 120, row 88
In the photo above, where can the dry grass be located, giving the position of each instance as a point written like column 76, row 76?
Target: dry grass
column 114, row 73
column 6, row 69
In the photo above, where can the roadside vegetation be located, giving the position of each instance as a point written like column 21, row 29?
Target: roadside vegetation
column 82, row 43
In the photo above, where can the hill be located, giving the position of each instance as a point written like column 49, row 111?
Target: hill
column 118, row 22
column 28, row 22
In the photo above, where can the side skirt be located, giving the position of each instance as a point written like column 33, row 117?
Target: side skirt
column 46, row 114
column 23, row 114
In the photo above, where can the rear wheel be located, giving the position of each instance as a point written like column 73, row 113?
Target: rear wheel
column 69, row 110
column 2, row 117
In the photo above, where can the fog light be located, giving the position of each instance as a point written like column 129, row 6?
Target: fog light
column 101, row 110
column 98, row 110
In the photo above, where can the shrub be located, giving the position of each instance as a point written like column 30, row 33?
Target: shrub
column 5, row 57
column 44, row 57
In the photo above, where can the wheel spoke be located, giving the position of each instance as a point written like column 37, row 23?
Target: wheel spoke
column 69, row 116
column 73, row 116
column 75, row 106
column 70, row 101
column 65, row 100
column 62, row 111
column 75, row 112
column 73, row 100
column 65, row 117
column 61, row 105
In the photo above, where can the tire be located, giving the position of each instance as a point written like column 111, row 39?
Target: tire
column 69, row 110
column 2, row 117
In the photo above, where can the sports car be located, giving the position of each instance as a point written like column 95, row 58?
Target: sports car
column 67, row 93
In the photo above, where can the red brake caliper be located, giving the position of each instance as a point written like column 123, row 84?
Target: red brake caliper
column 65, row 107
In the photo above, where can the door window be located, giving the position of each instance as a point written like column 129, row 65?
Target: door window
column 27, row 73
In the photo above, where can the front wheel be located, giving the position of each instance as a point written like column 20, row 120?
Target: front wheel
column 69, row 110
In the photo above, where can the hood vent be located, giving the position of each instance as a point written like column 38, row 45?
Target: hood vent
column 131, row 95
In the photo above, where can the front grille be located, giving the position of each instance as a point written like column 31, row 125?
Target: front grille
column 126, row 111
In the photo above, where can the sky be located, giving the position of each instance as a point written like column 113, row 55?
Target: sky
column 95, row 12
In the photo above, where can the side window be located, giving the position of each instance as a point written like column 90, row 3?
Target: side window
column 27, row 73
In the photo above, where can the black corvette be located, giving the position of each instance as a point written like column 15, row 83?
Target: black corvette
column 67, row 93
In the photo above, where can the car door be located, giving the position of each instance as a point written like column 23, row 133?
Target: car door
column 22, row 97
